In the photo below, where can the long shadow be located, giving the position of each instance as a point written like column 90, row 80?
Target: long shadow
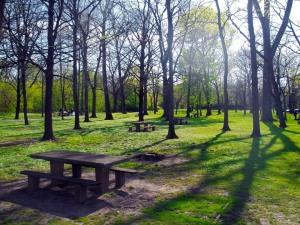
column 256, row 161
column 135, row 150
column 242, row 191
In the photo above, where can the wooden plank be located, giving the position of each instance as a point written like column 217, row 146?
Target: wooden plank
column 125, row 170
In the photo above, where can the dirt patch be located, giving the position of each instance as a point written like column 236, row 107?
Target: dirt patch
column 50, row 202
column 172, row 160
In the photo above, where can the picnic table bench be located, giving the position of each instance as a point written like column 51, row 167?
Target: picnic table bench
column 180, row 120
column 142, row 126
column 102, row 164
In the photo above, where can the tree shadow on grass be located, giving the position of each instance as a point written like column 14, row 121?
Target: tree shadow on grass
column 233, row 206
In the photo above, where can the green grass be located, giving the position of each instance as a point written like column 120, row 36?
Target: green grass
column 229, row 178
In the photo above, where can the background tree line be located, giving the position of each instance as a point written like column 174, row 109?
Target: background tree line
column 141, row 55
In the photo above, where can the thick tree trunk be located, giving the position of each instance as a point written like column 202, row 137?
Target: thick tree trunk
column 269, row 53
column 74, row 74
column 108, row 114
column 255, row 94
column 170, row 109
column 266, row 115
column 48, row 128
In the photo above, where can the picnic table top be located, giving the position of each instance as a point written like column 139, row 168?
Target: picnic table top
column 81, row 158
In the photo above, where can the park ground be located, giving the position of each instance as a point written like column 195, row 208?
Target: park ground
column 209, row 177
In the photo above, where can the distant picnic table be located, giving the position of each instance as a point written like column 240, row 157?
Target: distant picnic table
column 142, row 126
column 102, row 164
column 180, row 120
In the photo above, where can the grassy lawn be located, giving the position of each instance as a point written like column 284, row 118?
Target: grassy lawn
column 228, row 178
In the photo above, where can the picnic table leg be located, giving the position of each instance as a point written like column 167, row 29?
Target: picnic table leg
column 102, row 176
column 76, row 171
column 137, row 127
column 56, row 168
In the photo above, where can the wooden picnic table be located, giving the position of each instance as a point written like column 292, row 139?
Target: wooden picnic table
column 141, row 125
column 102, row 164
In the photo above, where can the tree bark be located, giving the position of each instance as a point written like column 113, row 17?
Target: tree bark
column 23, row 67
column 170, row 109
column 85, row 78
column 74, row 74
column 255, row 95
column 94, row 88
column 269, row 53
column 18, row 92
column 48, row 128
column 121, row 81
column 225, row 55
column 108, row 114
column 2, row 6
column 189, row 92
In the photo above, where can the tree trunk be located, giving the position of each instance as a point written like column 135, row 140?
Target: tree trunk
column 225, row 55
column 145, row 97
column 48, row 128
column 218, row 99
column 142, row 76
column 62, row 80
column 18, row 91
column 94, row 88
column 85, row 78
column 189, row 92
column 24, row 92
column 269, row 53
column 2, row 6
column 170, row 99
column 122, row 95
column 43, row 84
column 255, row 95
column 108, row 114
column 75, row 74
